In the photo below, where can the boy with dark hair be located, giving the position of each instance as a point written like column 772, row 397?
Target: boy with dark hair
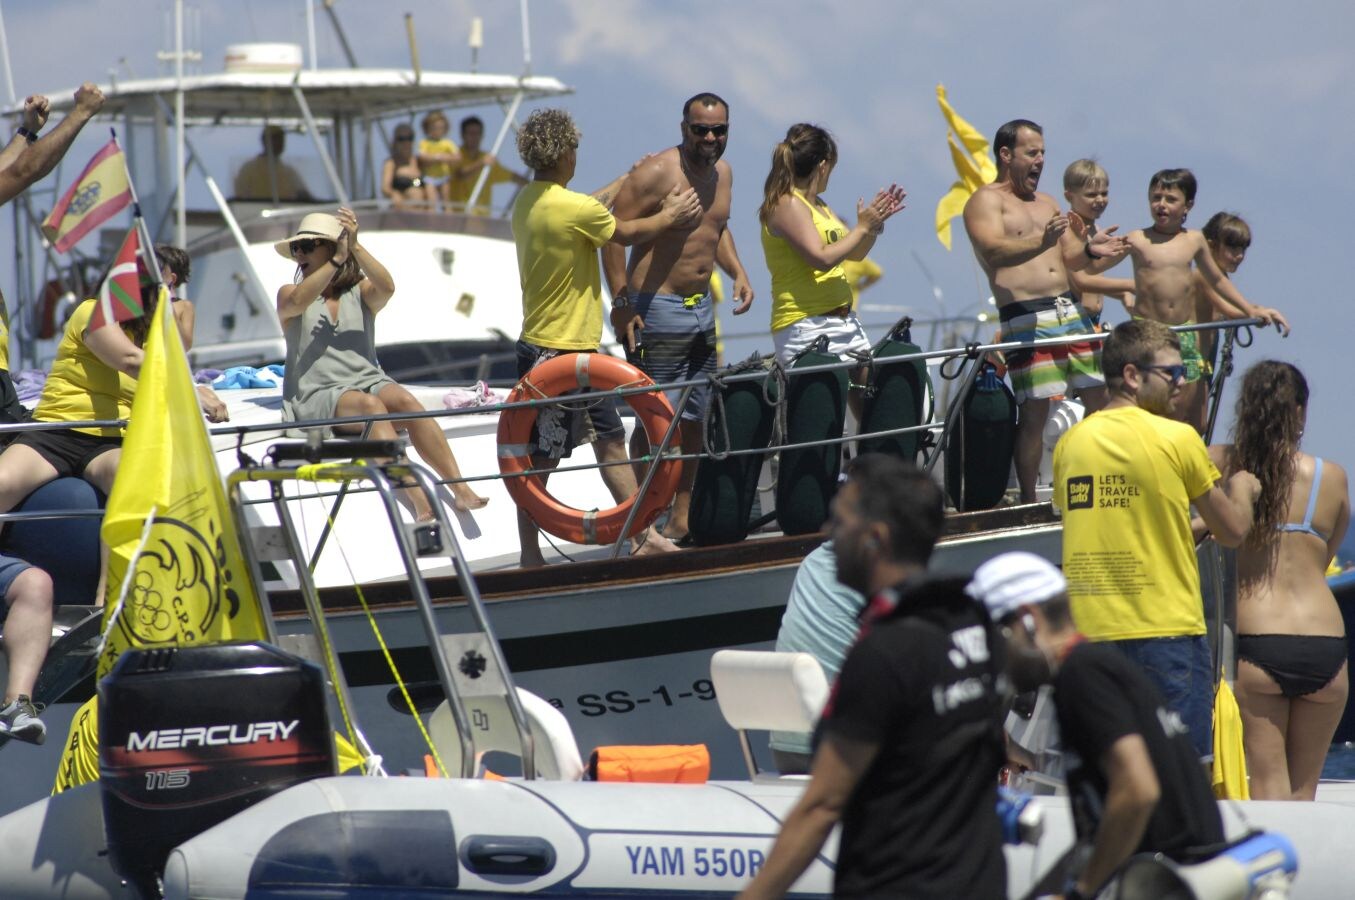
column 1165, row 284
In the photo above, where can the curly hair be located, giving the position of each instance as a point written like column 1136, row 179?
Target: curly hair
column 545, row 137
column 1266, row 430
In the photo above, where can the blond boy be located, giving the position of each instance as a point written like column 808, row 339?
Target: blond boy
column 1164, row 285
column 1086, row 187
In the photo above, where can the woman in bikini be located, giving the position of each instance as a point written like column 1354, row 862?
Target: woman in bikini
column 1291, row 646
column 402, row 181
column 328, row 320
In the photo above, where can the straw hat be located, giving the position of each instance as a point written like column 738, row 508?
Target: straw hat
column 322, row 226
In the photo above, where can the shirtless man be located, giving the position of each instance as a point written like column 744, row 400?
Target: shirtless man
column 1164, row 284
column 1023, row 243
column 665, row 289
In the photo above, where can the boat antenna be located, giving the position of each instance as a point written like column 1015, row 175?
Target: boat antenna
column 413, row 47
column 476, row 41
column 343, row 38
column 310, row 31
column 526, row 40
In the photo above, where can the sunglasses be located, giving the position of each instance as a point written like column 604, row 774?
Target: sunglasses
column 305, row 245
column 400, row 138
column 1174, row 373
column 703, row 130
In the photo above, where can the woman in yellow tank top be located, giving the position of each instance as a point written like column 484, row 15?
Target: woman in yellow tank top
column 805, row 244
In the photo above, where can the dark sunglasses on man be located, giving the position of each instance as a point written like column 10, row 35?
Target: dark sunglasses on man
column 702, row 130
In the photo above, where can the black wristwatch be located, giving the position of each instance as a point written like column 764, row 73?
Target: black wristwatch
column 30, row 136
column 621, row 300
column 1087, row 249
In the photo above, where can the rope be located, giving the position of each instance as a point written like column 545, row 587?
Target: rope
column 390, row 661
column 971, row 351
column 717, row 389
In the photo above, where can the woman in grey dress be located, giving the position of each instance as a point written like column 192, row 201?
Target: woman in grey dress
column 328, row 318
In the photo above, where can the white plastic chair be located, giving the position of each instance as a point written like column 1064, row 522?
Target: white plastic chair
column 556, row 751
column 766, row 691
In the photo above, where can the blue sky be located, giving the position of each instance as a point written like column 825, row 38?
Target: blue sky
column 1254, row 97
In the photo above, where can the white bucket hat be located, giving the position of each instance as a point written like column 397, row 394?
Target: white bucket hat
column 317, row 226
column 1006, row 583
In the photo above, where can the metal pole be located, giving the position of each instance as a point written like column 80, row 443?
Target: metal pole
column 4, row 58
column 526, row 40
column 310, row 31
column 332, row 172
column 653, row 467
column 413, row 47
column 181, row 207
column 508, row 119
column 343, row 38
column 951, row 418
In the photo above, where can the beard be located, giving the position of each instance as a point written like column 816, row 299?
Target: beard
column 853, row 568
column 1027, row 668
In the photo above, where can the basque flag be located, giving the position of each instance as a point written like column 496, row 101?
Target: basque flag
column 120, row 294
column 101, row 191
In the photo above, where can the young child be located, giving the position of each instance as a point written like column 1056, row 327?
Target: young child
column 1086, row 186
column 1228, row 237
column 1164, row 284
column 437, row 153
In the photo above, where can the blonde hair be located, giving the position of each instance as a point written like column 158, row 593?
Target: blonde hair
column 545, row 137
column 1083, row 173
column 804, row 147
column 432, row 118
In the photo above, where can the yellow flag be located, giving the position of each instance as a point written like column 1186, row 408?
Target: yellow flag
column 190, row 584
column 973, row 160
column 1230, row 760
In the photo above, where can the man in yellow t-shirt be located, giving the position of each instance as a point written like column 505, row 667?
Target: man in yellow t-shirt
column 1125, row 479
column 558, row 233
column 467, row 171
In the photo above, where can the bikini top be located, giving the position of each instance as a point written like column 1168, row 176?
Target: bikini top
column 1306, row 526
column 404, row 182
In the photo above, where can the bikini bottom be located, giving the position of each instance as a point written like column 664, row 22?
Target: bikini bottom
column 1300, row 664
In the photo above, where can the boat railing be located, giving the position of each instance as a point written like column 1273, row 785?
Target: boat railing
column 481, row 669
column 1236, row 332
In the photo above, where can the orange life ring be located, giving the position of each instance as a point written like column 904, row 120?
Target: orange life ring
column 590, row 372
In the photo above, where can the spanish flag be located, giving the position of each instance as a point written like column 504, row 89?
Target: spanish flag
column 97, row 195
column 973, row 160
column 175, row 563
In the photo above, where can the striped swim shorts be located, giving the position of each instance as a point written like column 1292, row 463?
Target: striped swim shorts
column 677, row 344
column 1043, row 372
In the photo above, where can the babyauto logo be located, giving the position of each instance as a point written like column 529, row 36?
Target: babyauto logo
column 1080, row 492
column 210, row 736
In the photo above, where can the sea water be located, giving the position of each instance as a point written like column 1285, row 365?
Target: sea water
column 1340, row 762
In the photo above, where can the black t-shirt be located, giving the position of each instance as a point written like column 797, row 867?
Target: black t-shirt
column 921, row 685
column 1101, row 697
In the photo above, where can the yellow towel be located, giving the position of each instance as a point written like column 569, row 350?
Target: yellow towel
column 1230, row 762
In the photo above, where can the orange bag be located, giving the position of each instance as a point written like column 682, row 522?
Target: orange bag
column 659, row 764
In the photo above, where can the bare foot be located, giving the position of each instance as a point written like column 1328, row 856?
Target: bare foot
column 532, row 560
column 651, row 542
column 673, row 534
column 468, row 500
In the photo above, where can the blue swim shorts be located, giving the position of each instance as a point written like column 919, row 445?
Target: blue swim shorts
column 677, row 344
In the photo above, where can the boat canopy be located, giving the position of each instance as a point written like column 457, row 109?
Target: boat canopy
column 244, row 98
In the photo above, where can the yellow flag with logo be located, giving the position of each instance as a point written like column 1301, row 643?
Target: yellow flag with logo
column 168, row 522
column 973, row 160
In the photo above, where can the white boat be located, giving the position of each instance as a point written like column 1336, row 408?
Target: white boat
column 551, row 836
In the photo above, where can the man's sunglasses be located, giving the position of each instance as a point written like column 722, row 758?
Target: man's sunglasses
column 305, row 245
column 703, row 130
column 400, row 138
column 1174, row 373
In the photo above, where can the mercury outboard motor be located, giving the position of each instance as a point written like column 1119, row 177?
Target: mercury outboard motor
column 190, row 736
